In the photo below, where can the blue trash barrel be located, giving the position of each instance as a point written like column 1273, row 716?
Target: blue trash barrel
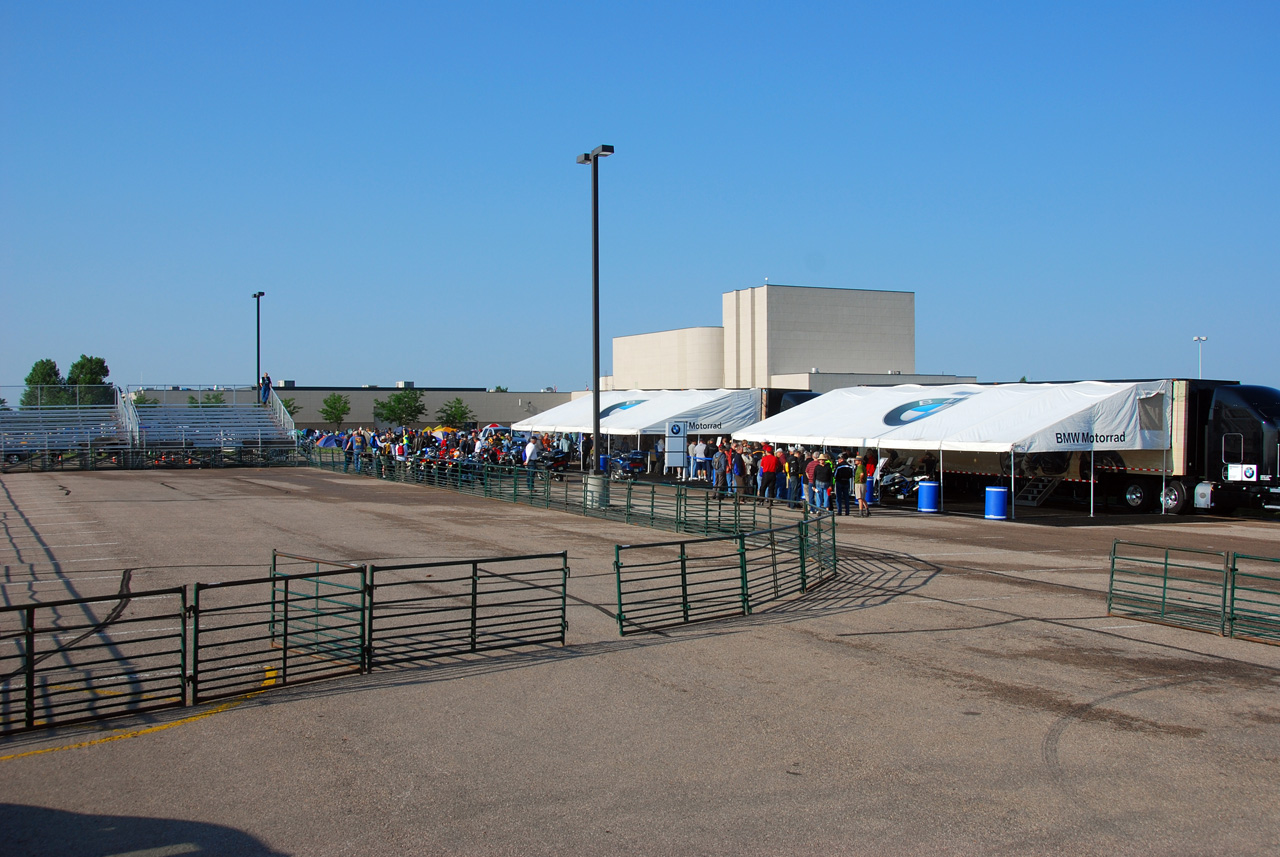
column 929, row 495
column 604, row 464
column 997, row 503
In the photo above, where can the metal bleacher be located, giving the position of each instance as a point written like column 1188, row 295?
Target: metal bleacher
column 210, row 418
column 53, row 428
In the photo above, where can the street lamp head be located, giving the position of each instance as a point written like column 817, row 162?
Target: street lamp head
column 259, row 294
column 597, row 152
column 1199, row 339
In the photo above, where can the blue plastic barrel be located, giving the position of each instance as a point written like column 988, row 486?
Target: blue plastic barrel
column 997, row 503
column 929, row 495
column 604, row 464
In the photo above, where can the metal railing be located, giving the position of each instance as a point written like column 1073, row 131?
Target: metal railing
column 665, row 584
column 1254, row 603
column 421, row 611
column 1226, row 593
column 277, row 630
column 281, row 413
column 677, row 508
column 87, row 659
column 84, row 659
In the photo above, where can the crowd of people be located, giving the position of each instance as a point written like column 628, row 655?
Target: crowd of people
column 360, row 446
column 739, row 471
column 762, row 473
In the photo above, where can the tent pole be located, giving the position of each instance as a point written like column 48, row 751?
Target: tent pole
column 1013, row 485
column 942, row 505
column 1093, row 480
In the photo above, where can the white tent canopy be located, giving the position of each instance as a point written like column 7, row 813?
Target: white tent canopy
column 1002, row 418
column 702, row 412
column 575, row 415
column 637, row 412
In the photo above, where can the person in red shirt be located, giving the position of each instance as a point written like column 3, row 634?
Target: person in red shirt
column 768, row 476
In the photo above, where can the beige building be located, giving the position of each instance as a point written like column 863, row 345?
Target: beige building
column 794, row 337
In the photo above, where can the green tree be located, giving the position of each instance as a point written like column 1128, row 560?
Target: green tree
column 140, row 399
column 208, row 400
column 455, row 413
column 4, row 406
column 399, row 409
column 334, row 409
column 291, row 405
column 87, row 379
column 500, row 390
column 45, row 386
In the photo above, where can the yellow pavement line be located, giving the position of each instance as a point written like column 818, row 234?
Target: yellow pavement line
column 267, row 682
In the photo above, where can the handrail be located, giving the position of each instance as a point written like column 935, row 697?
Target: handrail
column 282, row 413
column 128, row 416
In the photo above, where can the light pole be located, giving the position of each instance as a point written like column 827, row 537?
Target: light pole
column 1200, row 341
column 257, row 299
column 593, row 158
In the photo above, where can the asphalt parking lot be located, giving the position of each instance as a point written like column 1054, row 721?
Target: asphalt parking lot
column 958, row 689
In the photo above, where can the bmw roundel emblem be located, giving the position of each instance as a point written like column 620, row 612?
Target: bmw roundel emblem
column 921, row 408
column 676, row 429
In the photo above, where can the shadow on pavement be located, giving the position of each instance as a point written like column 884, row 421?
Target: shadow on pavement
column 35, row 830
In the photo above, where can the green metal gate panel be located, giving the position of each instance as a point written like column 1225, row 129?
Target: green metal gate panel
column 282, row 629
column 1176, row 586
column 84, row 659
column 1255, row 597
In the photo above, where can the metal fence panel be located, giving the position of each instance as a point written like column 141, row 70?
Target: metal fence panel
column 425, row 611
column 1255, row 597
column 672, row 583
column 277, row 630
column 84, row 659
column 1177, row 586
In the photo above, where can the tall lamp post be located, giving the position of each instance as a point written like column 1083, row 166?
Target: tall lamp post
column 257, row 299
column 593, row 158
column 1200, row 341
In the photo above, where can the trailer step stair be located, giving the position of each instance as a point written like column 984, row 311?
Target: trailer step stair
column 1037, row 490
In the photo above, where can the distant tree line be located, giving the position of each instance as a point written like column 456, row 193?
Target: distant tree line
column 85, row 384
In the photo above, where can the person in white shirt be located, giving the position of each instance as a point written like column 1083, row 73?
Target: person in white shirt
column 531, row 457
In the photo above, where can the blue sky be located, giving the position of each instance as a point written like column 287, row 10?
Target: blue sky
column 1071, row 190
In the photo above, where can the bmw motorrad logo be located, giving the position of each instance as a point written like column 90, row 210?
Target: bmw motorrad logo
column 676, row 429
column 921, row 408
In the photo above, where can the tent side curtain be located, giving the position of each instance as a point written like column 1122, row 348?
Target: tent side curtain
column 1022, row 417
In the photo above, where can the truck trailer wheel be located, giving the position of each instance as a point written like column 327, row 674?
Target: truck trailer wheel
column 1175, row 498
column 1137, row 496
